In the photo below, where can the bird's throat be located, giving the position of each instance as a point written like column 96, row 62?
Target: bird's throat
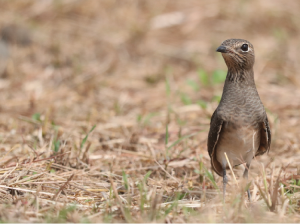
column 240, row 76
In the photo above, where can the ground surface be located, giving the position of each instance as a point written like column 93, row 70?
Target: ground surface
column 105, row 109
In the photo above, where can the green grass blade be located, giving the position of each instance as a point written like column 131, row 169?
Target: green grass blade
column 86, row 137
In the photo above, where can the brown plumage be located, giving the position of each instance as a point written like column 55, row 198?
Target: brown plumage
column 239, row 126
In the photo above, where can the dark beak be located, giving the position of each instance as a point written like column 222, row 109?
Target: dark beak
column 222, row 49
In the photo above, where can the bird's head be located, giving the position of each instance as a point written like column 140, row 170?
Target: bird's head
column 238, row 54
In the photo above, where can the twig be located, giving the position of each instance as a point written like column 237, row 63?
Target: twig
column 85, row 190
column 231, row 169
column 160, row 166
column 14, row 147
column 35, row 161
column 262, row 194
column 275, row 192
column 62, row 187
column 118, row 199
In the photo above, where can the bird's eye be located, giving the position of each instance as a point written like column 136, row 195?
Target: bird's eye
column 244, row 47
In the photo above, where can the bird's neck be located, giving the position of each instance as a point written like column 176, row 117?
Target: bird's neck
column 238, row 92
column 242, row 76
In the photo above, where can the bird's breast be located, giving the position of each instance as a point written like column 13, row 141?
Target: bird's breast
column 240, row 142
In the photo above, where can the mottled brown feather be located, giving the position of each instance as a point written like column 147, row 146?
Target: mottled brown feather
column 213, row 136
column 265, row 140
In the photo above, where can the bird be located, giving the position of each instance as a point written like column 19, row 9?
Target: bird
column 239, row 126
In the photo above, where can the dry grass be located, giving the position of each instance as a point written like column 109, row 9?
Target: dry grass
column 105, row 109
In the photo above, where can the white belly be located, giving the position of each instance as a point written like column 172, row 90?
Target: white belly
column 239, row 144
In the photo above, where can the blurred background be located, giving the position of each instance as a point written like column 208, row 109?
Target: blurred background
column 145, row 72
column 109, row 62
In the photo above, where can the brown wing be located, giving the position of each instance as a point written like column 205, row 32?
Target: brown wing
column 213, row 137
column 265, row 138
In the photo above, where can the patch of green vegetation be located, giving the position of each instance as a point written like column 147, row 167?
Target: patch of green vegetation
column 145, row 120
column 203, row 77
column 218, row 76
column 63, row 215
column 180, row 139
column 36, row 117
column 216, row 99
column 143, row 192
column 56, row 145
column 202, row 104
column 86, row 137
column 279, row 33
column 117, row 107
column 205, row 80
column 125, row 180
column 174, row 204
column 194, row 85
column 56, row 141
column 185, row 99
column 153, row 78
column 210, row 176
